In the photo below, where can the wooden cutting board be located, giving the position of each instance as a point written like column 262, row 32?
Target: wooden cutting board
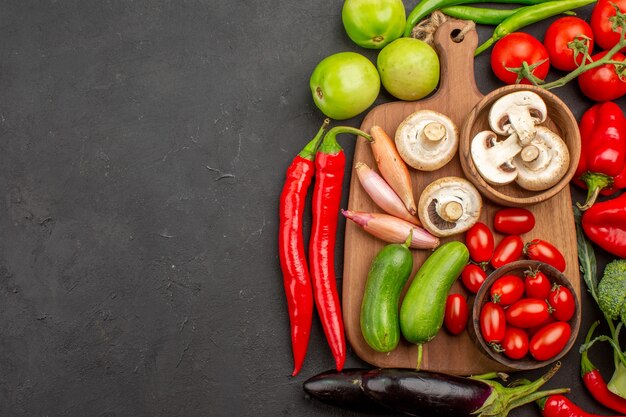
column 456, row 96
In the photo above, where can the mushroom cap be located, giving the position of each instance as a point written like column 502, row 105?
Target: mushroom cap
column 427, row 140
column 452, row 196
column 550, row 164
column 493, row 158
column 517, row 111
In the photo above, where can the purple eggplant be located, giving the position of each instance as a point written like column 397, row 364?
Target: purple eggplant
column 343, row 389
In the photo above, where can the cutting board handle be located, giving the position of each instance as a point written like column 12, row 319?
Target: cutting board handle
column 457, row 58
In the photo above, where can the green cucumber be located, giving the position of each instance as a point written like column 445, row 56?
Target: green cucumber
column 423, row 306
column 389, row 271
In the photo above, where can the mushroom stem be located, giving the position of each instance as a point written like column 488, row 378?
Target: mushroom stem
column 434, row 131
column 451, row 211
column 529, row 153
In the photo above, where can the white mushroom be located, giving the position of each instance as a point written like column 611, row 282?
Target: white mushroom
column 543, row 162
column 518, row 113
column 449, row 206
column 494, row 159
column 427, row 140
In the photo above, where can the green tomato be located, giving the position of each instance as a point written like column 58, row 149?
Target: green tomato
column 409, row 68
column 373, row 23
column 344, row 85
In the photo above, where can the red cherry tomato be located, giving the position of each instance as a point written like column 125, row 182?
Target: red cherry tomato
column 537, row 285
column 507, row 289
column 479, row 242
column 601, row 23
column 515, row 343
column 544, row 251
column 550, row 341
column 456, row 314
column 533, row 330
column 562, row 302
column 527, row 313
column 513, row 221
column 509, row 249
column 473, row 277
column 603, row 83
column 557, row 41
column 492, row 322
column 512, row 50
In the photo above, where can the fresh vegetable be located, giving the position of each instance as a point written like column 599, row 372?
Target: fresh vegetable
column 561, row 406
column 544, row 251
column 293, row 263
column 523, row 51
column 513, row 221
column 612, row 290
column 480, row 15
column 479, row 242
column 515, row 342
column 605, row 82
column 391, row 229
column 537, row 285
column 382, row 194
column 508, row 250
column 473, row 277
column 456, row 314
column 562, row 302
column 527, row 312
column 330, row 163
column 602, row 21
column 344, row 84
column 373, row 23
column 388, row 273
column 602, row 165
column 438, row 394
column 423, row 306
column 550, row 341
column 605, row 225
column 567, row 40
column 529, row 15
column 392, row 167
column 506, row 290
column 492, row 323
column 594, row 382
column 343, row 389
column 533, row 330
column 400, row 61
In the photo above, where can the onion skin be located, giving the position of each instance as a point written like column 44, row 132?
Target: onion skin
column 382, row 194
column 391, row 229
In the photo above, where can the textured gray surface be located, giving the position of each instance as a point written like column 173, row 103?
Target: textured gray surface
column 143, row 148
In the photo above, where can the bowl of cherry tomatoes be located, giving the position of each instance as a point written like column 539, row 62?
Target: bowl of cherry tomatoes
column 525, row 315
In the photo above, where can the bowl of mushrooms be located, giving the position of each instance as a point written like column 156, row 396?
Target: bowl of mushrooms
column 520, row 145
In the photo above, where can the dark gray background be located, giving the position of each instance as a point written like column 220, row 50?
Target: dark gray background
column 143, row 148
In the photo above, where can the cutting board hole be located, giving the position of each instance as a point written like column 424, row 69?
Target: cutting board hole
column 457, row 36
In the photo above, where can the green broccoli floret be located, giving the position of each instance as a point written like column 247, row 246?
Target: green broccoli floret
column 612, row 290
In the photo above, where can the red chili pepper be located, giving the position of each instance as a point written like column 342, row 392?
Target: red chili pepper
column 561, row 406
column 330, row 164
column 291, row 248
column 605, row 225
column 602, row 165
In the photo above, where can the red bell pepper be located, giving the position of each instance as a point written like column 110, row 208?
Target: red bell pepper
column 605, row 225
column 602, row 165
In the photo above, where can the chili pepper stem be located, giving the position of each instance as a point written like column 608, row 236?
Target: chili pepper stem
column 585, row 364
column 308, row 152
column 595, row 182
column 329, row 144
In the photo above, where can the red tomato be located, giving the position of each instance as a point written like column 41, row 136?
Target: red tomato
column 509, row 249
column 550, row 341
column 479, row 242
column 514, row 49
column 602, row 83
column 515, row 343
column 473, row 277
column 533, row 330
column 513, row 221
column 537, row 285
column 601, row 24
column 527, row 313
column 557, row 41
column 492, row 322
column 507, row 289
column 455, row 318
column 544, row 251
column 562, row 302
